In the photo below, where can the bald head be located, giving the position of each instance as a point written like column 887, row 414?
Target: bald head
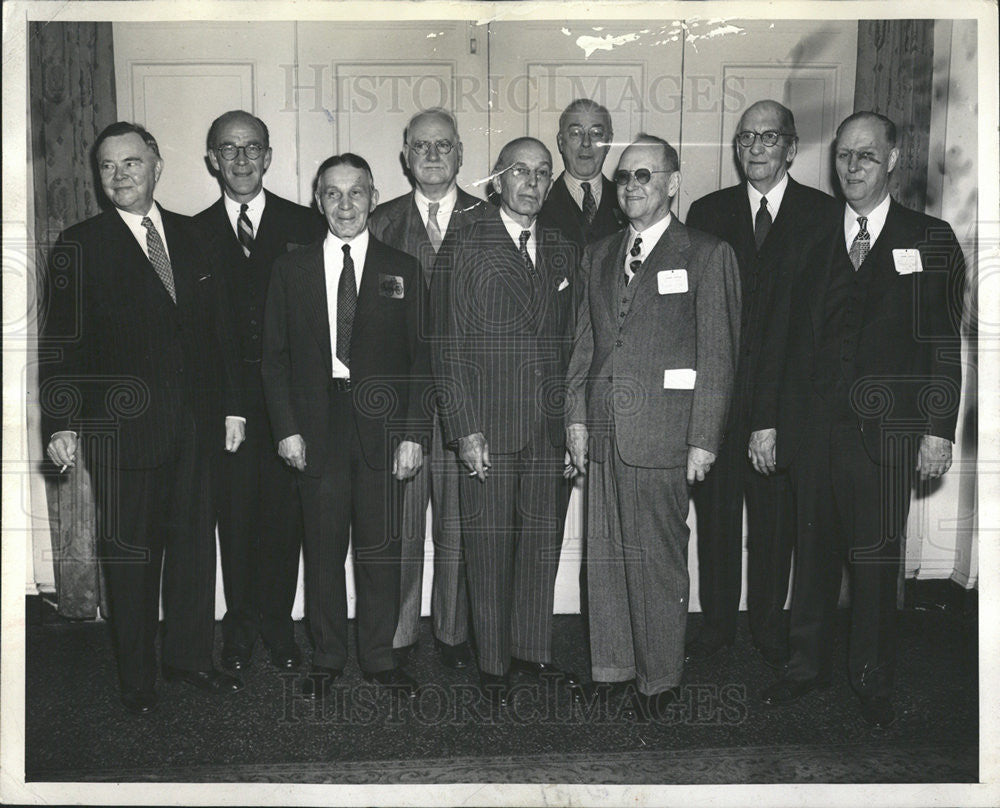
column 771, row 109
column 522, row 176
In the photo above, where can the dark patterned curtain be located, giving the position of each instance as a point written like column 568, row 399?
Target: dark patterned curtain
column 895, row 72
column 72, row 98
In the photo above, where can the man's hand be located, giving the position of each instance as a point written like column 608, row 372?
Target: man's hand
column 293, row 451
column 934, row 457
column 236, row 433
column 699, row 462
column 62, row 449
column 576, row 448
column 761, row 450
column 408, row 459
column 474, row 452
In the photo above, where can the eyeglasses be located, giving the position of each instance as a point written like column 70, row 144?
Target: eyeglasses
column 596, row 133
column 746, row 138
column 522, row 172
column 423, row 146
column 228, row 151
column 642, row 175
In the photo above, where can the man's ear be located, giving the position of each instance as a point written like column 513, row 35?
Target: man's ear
column 267, row 159
column 893, row 159
column 674, row 184
column 213, row 159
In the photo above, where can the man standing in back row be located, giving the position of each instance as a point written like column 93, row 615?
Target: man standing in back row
column 769, row 220
column 417, row 223
column 260, row 518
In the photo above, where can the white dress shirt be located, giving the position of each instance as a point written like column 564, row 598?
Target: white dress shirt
column 333, row 265
column 876, row 221
column 255, row 210
column 774, row 197
column 134, row 223
column 650, row 236
column 446, row 205
column 515, row 229
column 575, row 191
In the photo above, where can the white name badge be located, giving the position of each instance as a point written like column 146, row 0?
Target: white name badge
column 907, row 261
column 672, row 281
column 679, row 378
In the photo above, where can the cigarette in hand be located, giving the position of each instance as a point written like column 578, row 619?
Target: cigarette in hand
column 64, row 467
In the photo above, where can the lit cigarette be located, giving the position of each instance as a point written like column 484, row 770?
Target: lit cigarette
column 63, row 469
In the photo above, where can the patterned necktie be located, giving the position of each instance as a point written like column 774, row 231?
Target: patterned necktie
column 861, row 245
column 636, row 262
column 433, row 230
column 762, row 222
column 589, row 203
column 158, row 257
column 525, row 235
column 244, row 230
column 347, row 304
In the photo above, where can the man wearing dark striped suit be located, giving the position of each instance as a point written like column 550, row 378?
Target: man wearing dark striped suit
column 417, row 223
column 501, row 308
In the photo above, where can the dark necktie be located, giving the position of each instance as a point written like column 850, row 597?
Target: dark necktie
column 347, row 304
column 158, row 257
column 762, row 222
column 861, row 245
column 433, row 229
column 525, row 235
column 589, row 203
column 244, row 230
column 636, row 262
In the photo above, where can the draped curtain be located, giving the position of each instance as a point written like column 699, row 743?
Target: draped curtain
column 72, row 98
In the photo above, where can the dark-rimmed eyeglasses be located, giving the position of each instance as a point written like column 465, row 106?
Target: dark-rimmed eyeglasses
column 768, row 139
column 228, row 151
column 642, row 175
column 423, row 146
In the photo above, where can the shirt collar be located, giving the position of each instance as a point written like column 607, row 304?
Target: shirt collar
column 876, row 221
column 358, row 244
column 446, row 204
column 514, row 228
column 774, row 197
column 134, row 220
column 574, row 186
column 254, row 206
column 651, row 235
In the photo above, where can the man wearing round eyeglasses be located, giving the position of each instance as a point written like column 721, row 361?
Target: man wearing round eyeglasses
column 502, row 302
column 260, row 522
column 583, row 203
column 417, row 223
column 648, row 387
column 768, row 219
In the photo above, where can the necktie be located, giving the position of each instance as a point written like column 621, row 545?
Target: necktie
column 433, row 230
column 244, row 230
column 589, row 203
column 347, row 304
column 762, row 222
column 158, row 257
column 636, row 262
column 861, row 245
column 525, row 235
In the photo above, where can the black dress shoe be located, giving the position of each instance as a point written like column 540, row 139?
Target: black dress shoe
column 140, row 702
column 878, row 711
column 785, row 691
column 495, row 689
column 401, row 655
column 540, row 669
column 773, row 657
column 395, row 679
column 457, row 656
column 285, row 657
column 236, row 657
column 211, row 681
column 319, row 678
column 701, row 649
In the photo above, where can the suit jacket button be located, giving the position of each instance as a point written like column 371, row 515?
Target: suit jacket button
column 618, row 343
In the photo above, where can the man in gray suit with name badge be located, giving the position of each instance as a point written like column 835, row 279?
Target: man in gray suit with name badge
column 417, row 223
column 648, row 383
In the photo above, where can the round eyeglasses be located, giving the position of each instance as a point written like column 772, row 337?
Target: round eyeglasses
column 642, row 175
column 228, row 151
column 423, row 146
column 769, row 138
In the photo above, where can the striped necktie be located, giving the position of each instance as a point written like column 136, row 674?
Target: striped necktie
column 244, row 230
column 158, row 257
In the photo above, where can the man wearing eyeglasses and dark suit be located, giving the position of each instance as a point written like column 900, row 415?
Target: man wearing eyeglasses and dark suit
column 769, row 220
column 648, row 388
column 260, row 518
column 502, row 299
column 417, row 223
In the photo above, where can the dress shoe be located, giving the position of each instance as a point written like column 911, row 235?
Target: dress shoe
column 785, row 691
column 704, row 648
column 540, row 669
column 878, row 711
column 401, row 655
column 773, row 657
column 285, row 657
column 457, row 656
column 319, row 678
column 495, row 689
column 236, row 657
column 211, row 681
column 395, row 679
column 140, row 702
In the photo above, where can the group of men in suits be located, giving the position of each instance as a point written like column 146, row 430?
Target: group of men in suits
column 325, row 377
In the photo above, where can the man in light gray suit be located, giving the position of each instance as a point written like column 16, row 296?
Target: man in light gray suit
column 649, row 383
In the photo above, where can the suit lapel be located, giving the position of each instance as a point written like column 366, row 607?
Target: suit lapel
column 669, row 253
column 835, row 251
column 879, row 261
column 375, row 260
column 613, row 267
column 314, row 298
